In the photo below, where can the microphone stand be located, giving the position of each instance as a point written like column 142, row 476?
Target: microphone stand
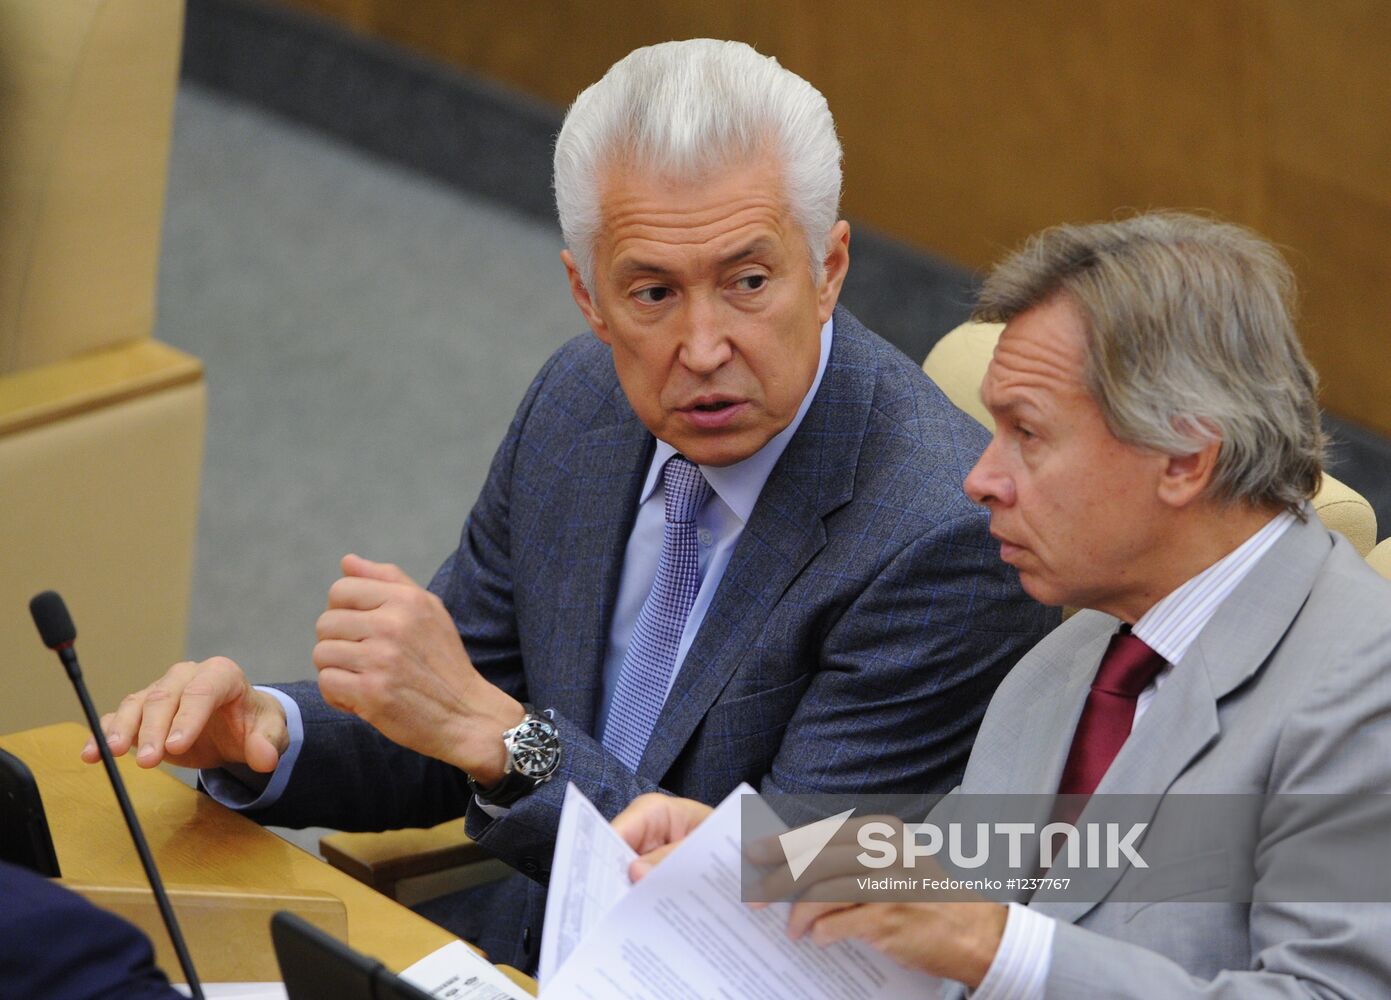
column 69, row 657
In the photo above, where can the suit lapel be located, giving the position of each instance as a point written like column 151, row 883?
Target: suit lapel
column 1045, row 737
column 1022, row 749
column 1182, row 721
column 1179, row 725
column 1025, row 756
column 599, row 494
column 814, row 476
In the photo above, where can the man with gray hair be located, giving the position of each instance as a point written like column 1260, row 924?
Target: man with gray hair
column 724, row 539
column 1156, row 445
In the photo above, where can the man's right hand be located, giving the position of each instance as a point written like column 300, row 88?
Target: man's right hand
column 198, row 715
column 654, row 824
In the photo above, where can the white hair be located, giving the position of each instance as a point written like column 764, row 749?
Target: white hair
column 683, row 109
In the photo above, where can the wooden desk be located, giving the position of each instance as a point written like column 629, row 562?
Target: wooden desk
column 196, row 841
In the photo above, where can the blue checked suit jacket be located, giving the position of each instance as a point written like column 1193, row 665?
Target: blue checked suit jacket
column 855, row 639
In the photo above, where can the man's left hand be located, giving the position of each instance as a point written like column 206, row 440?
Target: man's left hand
column 389, row 653
column 952, row 940
column 950, row 933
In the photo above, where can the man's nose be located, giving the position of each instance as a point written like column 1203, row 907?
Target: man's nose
column 705, row 347
column 988, row 482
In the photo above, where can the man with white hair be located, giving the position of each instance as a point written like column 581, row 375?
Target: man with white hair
column 724, row 539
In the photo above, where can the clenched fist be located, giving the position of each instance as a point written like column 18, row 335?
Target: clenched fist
column 389, row 652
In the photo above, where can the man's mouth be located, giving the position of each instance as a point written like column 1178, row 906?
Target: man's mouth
column 1008, row 549
column 713, row 412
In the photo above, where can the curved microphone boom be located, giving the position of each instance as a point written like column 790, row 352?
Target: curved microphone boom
column 58, row 633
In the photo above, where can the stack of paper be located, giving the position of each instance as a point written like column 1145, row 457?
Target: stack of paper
column 683, row 933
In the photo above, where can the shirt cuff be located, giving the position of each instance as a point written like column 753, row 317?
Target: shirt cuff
column 490, row 810
column 1020, row 968
column 238, row 787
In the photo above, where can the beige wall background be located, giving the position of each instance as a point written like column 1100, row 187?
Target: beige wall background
column 969, row 125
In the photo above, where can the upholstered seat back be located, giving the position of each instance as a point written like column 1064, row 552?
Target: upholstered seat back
column 86, row 100
column 101, row 427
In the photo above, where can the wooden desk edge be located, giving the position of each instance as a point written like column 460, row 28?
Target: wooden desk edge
column 38, row 747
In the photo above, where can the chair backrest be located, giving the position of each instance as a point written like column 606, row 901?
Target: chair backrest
column 958, row 362
column 88, row 91
column 86, row 105
column 1380, row 558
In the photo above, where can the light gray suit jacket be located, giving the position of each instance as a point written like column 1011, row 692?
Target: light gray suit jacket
column 1287, row 690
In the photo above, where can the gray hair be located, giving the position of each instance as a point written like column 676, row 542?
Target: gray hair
column 1191, row 339
column 682, row 109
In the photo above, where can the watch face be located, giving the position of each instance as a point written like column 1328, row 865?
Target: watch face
column 535, row 748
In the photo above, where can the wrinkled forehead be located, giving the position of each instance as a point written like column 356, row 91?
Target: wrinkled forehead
column 1042, row 350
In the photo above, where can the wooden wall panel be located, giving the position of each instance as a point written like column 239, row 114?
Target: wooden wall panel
column 1016, row 121
column 1326, row 165
column 969, row 126
column 1338, row 242
column 1329, row 80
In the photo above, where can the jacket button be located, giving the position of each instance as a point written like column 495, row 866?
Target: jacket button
column 530, row 866
column 526, row 939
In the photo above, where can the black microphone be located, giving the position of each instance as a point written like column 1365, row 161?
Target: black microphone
column 58, row 633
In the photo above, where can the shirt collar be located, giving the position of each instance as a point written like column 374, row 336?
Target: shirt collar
column 1172, row 625
column 739, row 485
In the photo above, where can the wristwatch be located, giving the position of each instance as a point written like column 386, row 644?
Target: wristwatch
column 533, row 755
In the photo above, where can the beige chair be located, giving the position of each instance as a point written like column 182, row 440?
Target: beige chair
column 101, row 427
column 958, row 362
column 1380, row 558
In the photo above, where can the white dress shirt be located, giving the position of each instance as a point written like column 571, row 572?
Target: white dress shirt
column 1020, row 968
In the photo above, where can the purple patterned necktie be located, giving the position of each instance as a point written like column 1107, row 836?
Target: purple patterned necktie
column 646, row 672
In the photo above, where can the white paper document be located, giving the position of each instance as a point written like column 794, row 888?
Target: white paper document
column 683, row 933
column 238, row 991
column 593, row 864
column 457, row 972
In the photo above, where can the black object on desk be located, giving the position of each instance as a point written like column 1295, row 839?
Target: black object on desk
column 317, row 966
column 24, row 836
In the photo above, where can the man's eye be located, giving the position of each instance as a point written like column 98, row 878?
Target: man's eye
column 751, row 282
column 651, row 296
column 1024, row 432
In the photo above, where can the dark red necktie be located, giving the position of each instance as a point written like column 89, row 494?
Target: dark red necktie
column 1126, row 669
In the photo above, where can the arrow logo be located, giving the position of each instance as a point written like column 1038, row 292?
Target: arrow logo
column 802, row 845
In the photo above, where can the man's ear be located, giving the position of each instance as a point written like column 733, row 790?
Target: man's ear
column 837, row 266
column 583, row 298
column 1186, row 477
